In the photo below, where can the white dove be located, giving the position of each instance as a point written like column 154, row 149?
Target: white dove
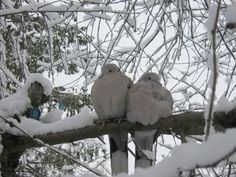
column 148, row 101
column 109, row 98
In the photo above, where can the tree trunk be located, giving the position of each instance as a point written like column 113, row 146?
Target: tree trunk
column 12, row 151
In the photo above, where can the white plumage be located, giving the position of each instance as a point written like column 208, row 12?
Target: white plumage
column 109, row 98
column 148, row 101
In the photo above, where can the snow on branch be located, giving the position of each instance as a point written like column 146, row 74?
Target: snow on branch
column 48, row 7
column 190, row 123
column 54, row 149
column 191, row 155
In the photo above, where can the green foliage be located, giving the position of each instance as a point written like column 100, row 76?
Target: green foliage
column 29, row 33
column 26, row 39
column 43, row 162
column 72, row 102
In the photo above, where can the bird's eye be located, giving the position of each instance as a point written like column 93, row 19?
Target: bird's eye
column 149, row 78
column 110, row 70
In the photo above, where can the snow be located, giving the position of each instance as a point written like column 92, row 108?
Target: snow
column 67, row 167
column 8, row 3
column 19, row 102
column 95, row 12
column 76, row 58
column 45, row 7
column 52, row 116
column 15, row 104
column 85, row 118
column 190, row 155
column 149, row 154
column 230, row 14
column 104, row 8
column 147, row 41
column 224, row 105
column 36, row 77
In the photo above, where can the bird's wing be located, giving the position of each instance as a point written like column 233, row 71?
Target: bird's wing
column 160, row 93
column 119, row 154
column 169, row 98
column 100, row 97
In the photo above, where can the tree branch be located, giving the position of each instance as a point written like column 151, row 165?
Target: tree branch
column 189, row 123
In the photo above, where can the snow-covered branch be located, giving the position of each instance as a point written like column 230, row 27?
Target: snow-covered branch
column 189, row 123
column 41, row 143
column 191, row 155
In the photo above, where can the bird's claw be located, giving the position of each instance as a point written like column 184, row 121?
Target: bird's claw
column 118, row 120
column 106, row 121
column 102, row 122
column 98, row 121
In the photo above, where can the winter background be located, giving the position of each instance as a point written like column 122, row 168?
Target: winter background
column 187, row 42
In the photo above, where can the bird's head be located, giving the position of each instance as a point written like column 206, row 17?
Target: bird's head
column 110, row 68
column 150, row 77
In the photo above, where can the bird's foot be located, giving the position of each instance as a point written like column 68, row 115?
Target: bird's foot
column 98, row 122
column 102, row 122
column 118, row 120
column 106, row 121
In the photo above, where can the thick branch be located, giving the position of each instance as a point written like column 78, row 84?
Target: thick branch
column 190, row 123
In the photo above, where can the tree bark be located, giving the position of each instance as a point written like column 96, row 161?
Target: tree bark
column 12, row 151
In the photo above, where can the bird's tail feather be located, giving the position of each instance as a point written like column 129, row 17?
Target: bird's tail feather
column 119, row 154
column 143, row 163
column 144, row 144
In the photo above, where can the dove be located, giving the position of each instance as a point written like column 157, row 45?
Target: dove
column 109, row 98
column 148, row 101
